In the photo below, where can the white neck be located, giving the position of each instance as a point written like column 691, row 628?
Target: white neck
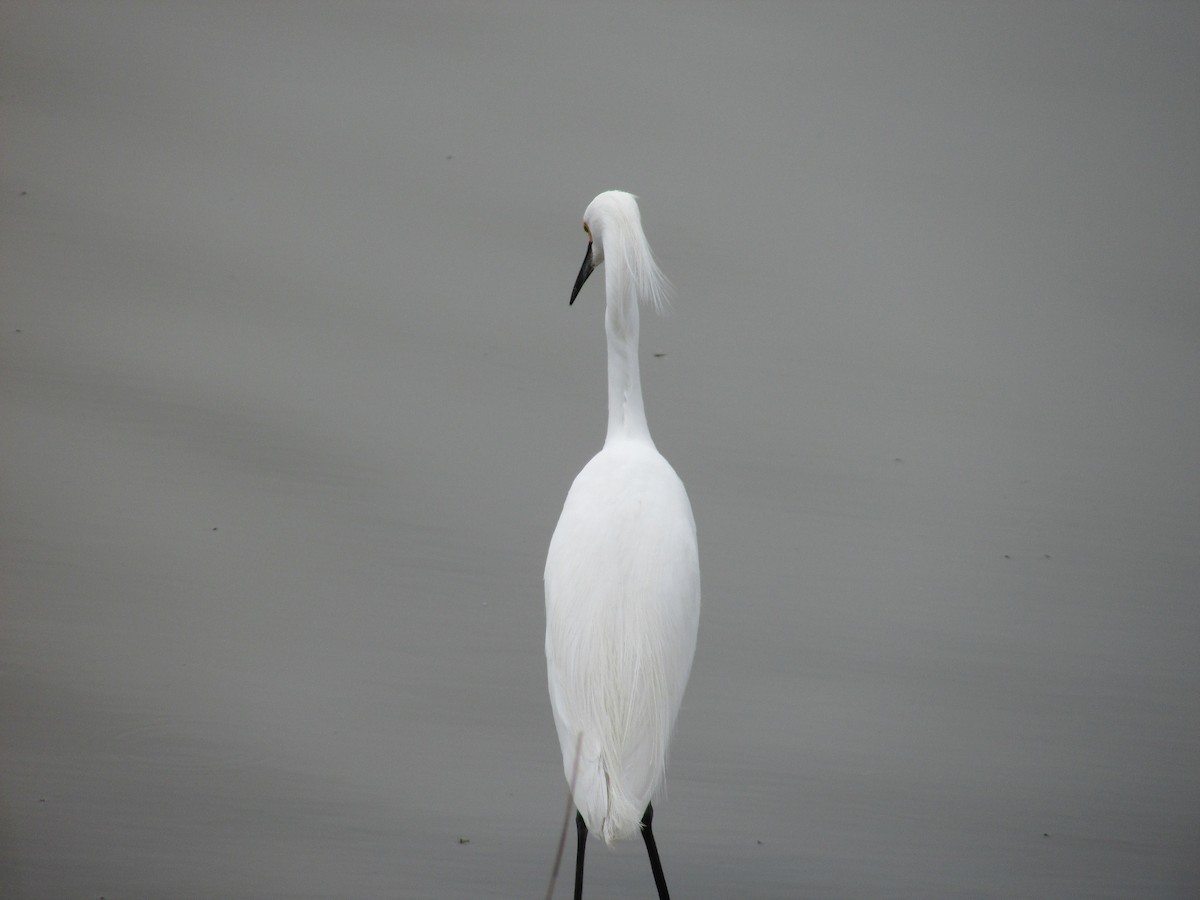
column 626, row 416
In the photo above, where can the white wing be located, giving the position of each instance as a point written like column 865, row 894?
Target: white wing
column 622, row 610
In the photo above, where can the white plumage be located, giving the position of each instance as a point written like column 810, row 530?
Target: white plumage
column 622, row 574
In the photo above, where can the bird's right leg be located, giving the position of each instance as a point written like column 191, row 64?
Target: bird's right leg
column 581, row 827
column 660, row 880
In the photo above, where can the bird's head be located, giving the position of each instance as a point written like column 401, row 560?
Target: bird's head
column 613, row 224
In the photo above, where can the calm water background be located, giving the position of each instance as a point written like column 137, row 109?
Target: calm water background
column 290, row 397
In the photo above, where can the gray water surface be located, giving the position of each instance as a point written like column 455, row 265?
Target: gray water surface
column 290, row 397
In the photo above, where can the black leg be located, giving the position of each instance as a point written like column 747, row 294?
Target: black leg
column 660, row 881
column 581, row 827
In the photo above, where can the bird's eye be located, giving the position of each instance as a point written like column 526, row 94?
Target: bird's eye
column 588, row 230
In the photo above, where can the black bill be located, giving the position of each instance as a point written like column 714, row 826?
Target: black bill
column 584, row 271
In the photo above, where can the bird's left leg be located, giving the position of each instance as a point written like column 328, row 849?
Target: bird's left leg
column 660, row 880
column 581, row 828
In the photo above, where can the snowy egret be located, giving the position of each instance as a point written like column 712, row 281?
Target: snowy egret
column 622, row 574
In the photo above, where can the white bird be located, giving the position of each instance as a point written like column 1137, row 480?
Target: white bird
column 622, row 574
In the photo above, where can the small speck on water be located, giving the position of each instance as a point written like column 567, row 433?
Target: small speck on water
column 463, row 840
